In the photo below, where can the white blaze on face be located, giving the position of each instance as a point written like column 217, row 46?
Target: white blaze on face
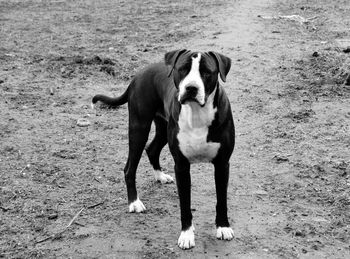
column 193, row 78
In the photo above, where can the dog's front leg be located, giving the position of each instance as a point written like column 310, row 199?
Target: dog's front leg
column 223, row 230
column 183, row 182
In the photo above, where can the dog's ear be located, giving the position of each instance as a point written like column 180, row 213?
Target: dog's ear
column 223, row 62
column 171, row 58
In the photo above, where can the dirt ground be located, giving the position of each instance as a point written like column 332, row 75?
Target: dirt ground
column 62, row 186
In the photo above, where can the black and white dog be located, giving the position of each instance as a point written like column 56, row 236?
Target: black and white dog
column 193, row 115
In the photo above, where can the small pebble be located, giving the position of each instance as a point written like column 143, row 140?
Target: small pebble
column 83, row 122
column 315, row 54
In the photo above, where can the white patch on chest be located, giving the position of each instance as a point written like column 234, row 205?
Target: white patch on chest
column 194, row 122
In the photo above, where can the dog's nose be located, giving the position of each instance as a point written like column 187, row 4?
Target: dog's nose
column 191, row 90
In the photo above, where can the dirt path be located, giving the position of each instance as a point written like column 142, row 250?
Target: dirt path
column 277, row 212
column 289, row 186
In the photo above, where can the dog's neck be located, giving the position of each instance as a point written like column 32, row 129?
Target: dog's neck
column 193, row 115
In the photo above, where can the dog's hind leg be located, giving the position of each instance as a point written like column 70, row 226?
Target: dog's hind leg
column 139, row 127
column 155, row 147
column 159, row 141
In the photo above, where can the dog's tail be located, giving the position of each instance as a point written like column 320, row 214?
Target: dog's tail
column 113, row 102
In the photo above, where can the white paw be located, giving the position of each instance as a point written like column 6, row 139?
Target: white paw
column 137, row 206
column 186, row 239
column 162, row 177
column 224, row 233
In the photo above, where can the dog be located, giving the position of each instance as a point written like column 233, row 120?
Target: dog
column 191, row 113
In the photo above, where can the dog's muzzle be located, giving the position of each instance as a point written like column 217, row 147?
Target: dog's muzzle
column 190, row 94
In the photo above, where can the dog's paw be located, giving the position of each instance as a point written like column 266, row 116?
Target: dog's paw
column 137, row 206
column 224, row 233
column 162, row 177
column 186, row 239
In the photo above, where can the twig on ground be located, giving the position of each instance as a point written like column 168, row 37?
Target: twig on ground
column 74, row 218
column 79, row 224
column 54, row 236
column 45, row 239
column 97, row 180
column 95, row 205
column 296, row 18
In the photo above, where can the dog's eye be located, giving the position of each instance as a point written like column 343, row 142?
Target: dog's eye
column 183, row 70
column 206, row 74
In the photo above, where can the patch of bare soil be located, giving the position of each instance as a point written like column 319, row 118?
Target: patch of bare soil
column 311, row 130
column 61, row 165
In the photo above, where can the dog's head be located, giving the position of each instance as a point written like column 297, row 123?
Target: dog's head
column 196, row 73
